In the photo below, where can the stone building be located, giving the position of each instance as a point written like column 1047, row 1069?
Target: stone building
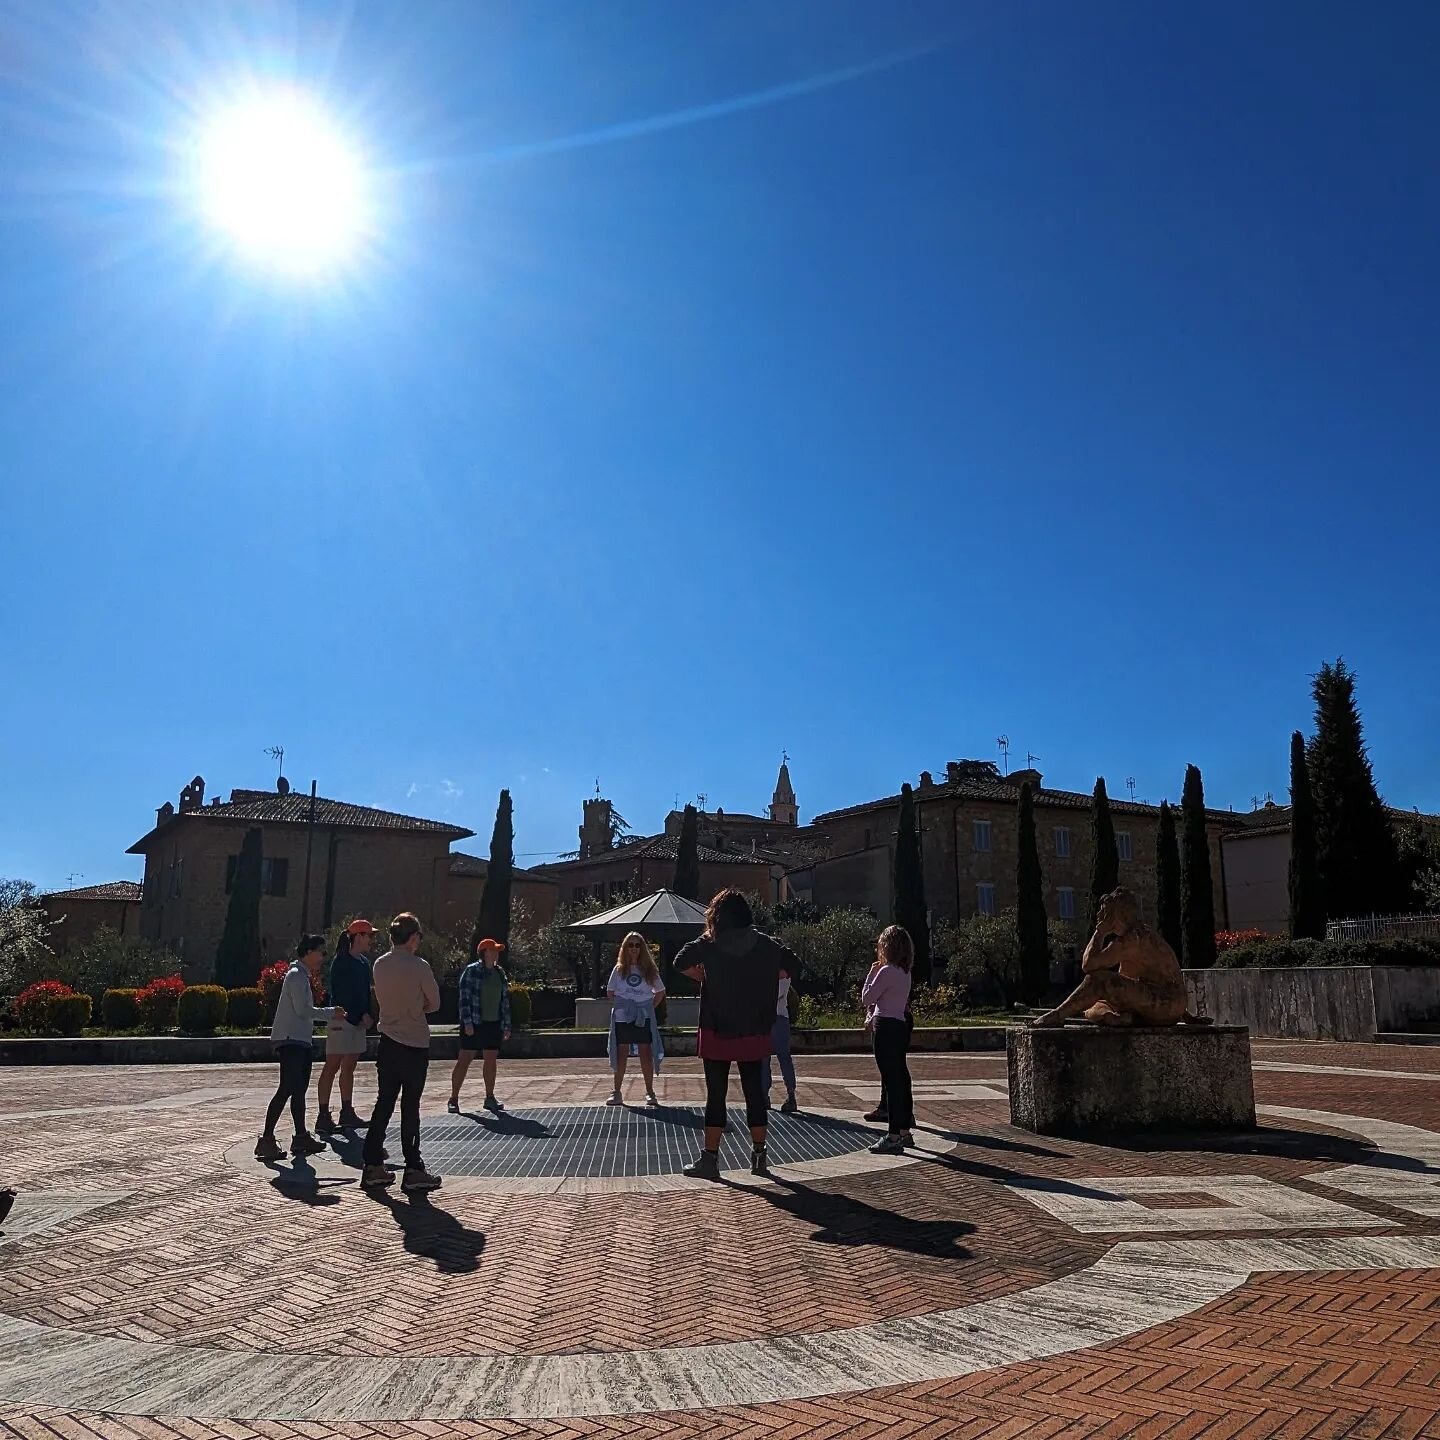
column 360, row 860
column 969, row 832
column 75, row 915
column 776, row 831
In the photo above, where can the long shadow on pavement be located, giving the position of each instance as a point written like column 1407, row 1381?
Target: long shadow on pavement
column 432, row 1233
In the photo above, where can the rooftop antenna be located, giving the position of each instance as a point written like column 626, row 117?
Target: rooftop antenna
column 1004, row 743
column 1130, row 785
column 702, row 797
column 1030, row 760
column 1254, row 802
column 277, row 754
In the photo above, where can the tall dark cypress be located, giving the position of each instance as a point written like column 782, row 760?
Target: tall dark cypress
column 1197, row 890
column 1104, row 856
column 1031, row 928
column 1167, row 880
column 238, row 958
column 687, row 856
column 910, row 908
column 493, row 921
column 1355, row 850
column 1307, row 901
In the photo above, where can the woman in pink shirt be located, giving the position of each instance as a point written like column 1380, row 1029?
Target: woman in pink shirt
column 885, row 995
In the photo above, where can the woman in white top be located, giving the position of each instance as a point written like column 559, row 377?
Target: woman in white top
column 635, row 989
column 780, row 1041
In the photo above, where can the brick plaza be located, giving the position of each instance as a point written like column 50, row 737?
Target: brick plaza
column 155, row 1281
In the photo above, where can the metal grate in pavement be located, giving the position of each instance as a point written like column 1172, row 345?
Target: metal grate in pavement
column 594, row 1142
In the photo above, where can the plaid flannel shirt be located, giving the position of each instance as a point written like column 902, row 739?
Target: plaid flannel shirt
column 471, row 979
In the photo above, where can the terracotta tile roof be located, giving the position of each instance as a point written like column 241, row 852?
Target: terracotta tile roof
column 110, row 890
column 1003, row 793
column 1275, row 820
column 478, row 867
column 659, row 847
column 269, row 807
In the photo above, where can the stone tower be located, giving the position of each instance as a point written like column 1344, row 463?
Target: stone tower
column 596, row 833
column 784, row 808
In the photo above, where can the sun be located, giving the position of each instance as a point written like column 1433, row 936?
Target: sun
column 277, row 179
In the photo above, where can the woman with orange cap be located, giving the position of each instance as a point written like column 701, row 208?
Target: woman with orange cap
column 347, row 1034
column 484, row 1020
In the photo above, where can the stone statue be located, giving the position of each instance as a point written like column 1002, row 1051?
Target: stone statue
column 1131, row 974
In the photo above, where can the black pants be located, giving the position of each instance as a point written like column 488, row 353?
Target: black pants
column 295, row 1061
column 400, row 1071
column 717, row 1087
column 892, row 1043
column 884, row 1106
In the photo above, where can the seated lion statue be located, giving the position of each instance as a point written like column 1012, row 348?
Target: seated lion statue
column 1131, row 974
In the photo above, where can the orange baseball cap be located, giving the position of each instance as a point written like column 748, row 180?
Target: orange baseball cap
column 488, row 944
column 359, row 927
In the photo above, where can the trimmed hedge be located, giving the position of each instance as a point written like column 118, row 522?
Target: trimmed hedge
column 244, row 1007
column 520, row 1007
column 70, row 1014
column 158, row 1002
column 119, row 1009
column 1275, row 954
column 201, row 1009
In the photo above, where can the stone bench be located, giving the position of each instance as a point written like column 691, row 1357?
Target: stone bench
column 1083, row 1079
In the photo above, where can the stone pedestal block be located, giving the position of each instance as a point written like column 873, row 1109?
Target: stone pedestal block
column 1083, row 1080
column 681, row 1013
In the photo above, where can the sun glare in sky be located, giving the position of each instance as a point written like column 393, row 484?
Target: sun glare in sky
column 282, row 185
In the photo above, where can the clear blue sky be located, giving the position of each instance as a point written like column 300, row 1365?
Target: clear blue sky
column 1067, row 371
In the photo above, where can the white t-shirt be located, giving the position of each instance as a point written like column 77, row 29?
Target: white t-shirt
column 782, row 1005
column 633, row 995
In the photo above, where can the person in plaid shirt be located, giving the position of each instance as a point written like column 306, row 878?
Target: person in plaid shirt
column 484, row 1021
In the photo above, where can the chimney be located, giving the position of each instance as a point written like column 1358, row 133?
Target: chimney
column 283, row 785
column 1017, row 778
column 927, row 780
column 953, row 771
column 164, row 813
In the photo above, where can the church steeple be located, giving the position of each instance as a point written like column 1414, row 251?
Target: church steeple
column 784, row 809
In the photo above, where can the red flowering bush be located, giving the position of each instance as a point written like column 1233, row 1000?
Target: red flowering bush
column 158, row 1002
column 35, row 1005
column 272, row 977
column 1229, row 939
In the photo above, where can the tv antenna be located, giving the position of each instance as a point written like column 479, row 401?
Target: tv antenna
column 1004, row 743
column 1030, row 760
column 277, row 754
column 702, row 797
column 1130, row 785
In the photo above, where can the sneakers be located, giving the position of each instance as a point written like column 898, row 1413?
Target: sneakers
column 790, row 1106
column 349, row 1120
column 759, row 1161
column 376, row 1177
column 879, row 1116
column 705, row 1167
column 418, row 1180
column 891, row 1145
column 303, row 1145
column 453, row 1107
column 324, row 1125
column 651, row 1100
column 615, row 1099
column 267, row 1147
column 491, row 1103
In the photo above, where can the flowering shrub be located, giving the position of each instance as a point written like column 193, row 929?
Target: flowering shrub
column 244, row 1007
column 119, row 1009
column 34, row 1007
column 158, row 1002
column 1229, row 939
column 520, row 1006
column 201, row 1009
column 272, row 977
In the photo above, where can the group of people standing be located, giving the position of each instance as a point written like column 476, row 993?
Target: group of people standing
column 744, row 977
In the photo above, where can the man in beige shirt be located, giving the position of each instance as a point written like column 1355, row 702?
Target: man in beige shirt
column 407, row 995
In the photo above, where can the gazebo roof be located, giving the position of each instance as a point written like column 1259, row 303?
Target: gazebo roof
column 664, row 910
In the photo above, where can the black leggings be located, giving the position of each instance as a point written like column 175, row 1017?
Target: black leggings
column 892, row 1041
column 717, row 1088
column 295, row 1063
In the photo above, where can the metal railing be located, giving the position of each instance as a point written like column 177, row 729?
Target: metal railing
column 1385, row 927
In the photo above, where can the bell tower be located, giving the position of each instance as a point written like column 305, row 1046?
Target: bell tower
column 784, row 808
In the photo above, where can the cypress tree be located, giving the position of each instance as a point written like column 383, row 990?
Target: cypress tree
column 493, row 921
column 1355, row 851
column 1167, row 880
column 1307, row 901
column 687, row 856
column 1197, row 891
column 1104, row 856
column 909, row 887
column 1031, row 928
column 238, row 958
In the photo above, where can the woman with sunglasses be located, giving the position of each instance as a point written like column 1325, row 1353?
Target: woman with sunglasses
column 635, row 989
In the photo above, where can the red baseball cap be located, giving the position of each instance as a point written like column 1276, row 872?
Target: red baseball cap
column 488, row 944
column 359, row 927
